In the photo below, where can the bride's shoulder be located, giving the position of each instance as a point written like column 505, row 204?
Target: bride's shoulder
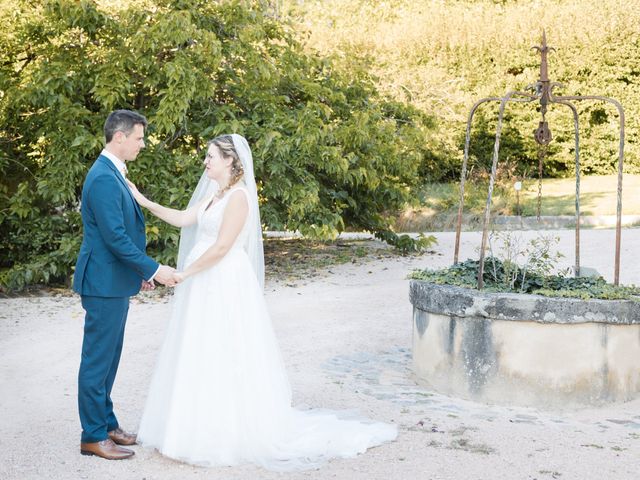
column 234, row 193
column 240, row 187
column 237, row 203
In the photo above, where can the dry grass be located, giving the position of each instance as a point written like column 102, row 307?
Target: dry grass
column 293, row 260
column 598, row 196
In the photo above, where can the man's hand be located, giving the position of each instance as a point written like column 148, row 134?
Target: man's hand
column 147, row 285
column 165, row 276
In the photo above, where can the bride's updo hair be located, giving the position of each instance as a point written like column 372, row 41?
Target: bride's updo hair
column 228, row 150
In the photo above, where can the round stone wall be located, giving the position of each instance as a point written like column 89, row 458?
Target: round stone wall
column 522, row 349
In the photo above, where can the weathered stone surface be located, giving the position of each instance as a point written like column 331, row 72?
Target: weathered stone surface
column 525, row 349
column 465, row 302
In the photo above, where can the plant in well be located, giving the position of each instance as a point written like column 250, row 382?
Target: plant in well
column 516, row 266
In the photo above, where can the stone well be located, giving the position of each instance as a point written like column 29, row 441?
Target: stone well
column 523, row 349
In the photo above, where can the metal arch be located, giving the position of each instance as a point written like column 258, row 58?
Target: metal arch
column 465, row 161
column 544, row 93
column 494, row 166
column 574, row 110
column 621, row 119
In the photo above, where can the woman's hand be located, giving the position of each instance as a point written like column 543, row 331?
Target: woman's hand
column 140, row 198
column 177, row 218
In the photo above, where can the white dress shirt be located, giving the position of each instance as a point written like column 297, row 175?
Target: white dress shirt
column 119, row 164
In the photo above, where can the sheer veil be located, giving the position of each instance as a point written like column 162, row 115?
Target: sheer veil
column 253, row 244
column 206, row 188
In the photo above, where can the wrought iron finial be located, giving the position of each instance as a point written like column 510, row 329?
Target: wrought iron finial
column 544, row 49
column 543, row 85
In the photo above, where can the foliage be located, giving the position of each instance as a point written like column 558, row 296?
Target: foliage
column 444, row 56
column 521, row 264
column 330, row 152
column 529, row 268
column 405, row 244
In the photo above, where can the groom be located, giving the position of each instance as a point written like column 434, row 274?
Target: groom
column 111, row 267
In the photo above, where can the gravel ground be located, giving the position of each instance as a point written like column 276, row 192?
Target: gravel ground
column 346, row 338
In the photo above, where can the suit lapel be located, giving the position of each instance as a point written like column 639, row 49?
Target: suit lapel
column 120, row 178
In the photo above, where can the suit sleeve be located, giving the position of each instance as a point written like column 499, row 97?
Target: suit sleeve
column 106, row 203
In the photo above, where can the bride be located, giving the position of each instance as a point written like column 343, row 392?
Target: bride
column 219, row 394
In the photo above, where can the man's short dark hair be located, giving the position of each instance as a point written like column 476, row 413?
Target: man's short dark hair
column 122, row 121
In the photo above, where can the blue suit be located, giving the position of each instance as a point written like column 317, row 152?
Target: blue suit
column 111, row 266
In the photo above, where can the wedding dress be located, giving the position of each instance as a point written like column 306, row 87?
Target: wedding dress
column 220, row 394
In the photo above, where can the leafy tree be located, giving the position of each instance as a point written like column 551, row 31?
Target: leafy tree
column 330, row 152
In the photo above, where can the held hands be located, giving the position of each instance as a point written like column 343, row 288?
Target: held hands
column 168, row 276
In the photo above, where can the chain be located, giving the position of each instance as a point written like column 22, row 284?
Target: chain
column 542, row 136
column 542, row 153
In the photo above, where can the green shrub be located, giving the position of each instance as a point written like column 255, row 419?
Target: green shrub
column 330, row 152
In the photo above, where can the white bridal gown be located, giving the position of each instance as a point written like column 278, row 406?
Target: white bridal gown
column 220, row 394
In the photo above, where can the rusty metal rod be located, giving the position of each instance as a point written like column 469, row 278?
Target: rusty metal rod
column 616, row 272
column 494, row 166
column 463, row 174
column 577, row 155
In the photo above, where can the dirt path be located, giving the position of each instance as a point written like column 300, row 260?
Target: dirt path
column 346, row 338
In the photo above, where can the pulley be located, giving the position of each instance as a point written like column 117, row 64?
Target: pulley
column 542, row 134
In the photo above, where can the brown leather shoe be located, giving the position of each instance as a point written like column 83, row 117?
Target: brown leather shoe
column 106, row 449
column 121, row 437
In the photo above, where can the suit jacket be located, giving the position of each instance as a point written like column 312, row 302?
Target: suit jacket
column 112, row 260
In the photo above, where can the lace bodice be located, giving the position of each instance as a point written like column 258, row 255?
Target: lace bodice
column 210, row 221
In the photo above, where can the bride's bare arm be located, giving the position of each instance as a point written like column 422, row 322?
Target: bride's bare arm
column 177, row 218
column 235, row 214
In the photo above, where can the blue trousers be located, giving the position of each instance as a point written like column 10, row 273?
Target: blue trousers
column 104, row 324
